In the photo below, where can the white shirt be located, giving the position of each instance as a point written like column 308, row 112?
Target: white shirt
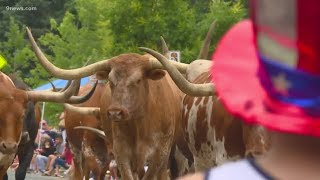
column 64, row 135
column 240, row 170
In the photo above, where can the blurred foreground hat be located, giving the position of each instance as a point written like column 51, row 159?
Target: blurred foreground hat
column 267, row 69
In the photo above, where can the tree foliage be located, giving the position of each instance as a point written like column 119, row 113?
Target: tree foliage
column 142, row 22
column 73, row 32
column 225, row 14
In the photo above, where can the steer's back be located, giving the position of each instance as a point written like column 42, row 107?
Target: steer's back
column 211, row 132
column 213, row 135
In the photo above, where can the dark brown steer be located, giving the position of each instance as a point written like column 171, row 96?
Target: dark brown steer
column 13, row 104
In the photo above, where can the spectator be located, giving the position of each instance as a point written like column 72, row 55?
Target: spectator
column 43, row 129
column 43, row 154
column 52, row 157
column 14, row 166
column 267, row 72
column 33, row 164
column 64, row 160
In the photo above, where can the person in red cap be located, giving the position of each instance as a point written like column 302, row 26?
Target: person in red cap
column 275, row 58
column 267, row 71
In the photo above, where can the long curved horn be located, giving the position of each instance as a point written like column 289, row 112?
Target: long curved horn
column 52, row 96
column 81, row 99
column 62, row 73
column 165, row 49
column 94, row 130
column 206, row 44
column 182, row 83
column 95, row 111
column 53, row 86
column 55, row 89
column 67, row 85
column 155, row 64
column 77, row 88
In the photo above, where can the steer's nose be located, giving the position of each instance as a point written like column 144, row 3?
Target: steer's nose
column 117, row 114
column 8, row 147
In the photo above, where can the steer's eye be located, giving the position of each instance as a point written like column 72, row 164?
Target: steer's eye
column 138, row 81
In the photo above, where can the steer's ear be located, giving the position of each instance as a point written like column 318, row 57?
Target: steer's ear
column 102, row 75
column 155, row 74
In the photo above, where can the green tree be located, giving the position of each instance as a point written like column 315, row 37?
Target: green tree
column 226, row 14
column 142, row 22
column 12, row 34
column 75, row 41
column 72, row 32
column 78, row 40
column 52, row 112
column 17, row 52
column 37, row 18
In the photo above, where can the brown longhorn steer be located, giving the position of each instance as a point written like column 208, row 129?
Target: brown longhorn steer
column 31, row 122
column 13, row 103
column 213, row 135
column 89, row 152
column 144, row 109
column 142, row 131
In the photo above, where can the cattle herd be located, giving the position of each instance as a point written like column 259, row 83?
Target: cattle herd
column 150, row 112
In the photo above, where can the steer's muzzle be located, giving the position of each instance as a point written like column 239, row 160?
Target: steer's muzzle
column 8, row 147
column 117, row 114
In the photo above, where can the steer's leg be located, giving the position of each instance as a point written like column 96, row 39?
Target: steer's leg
column 89, row 160
column 158, row 163
column 123, row 156
column 25, row 155
column 91, row 165
column 124, row 165
column 103, row 170
column 123, row 147
column 5, row 177
column 76, row 173
column 138, row 167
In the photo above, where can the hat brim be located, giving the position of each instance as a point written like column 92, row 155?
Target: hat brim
column 235, row 75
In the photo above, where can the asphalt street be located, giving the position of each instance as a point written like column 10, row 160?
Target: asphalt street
column 32, row 176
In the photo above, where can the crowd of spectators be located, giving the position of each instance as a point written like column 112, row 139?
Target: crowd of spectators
column 51, row 149
column 51, row 152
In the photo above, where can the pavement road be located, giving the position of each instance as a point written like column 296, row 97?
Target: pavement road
column 31, row 176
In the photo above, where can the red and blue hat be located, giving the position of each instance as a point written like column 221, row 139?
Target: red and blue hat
column 267, row 69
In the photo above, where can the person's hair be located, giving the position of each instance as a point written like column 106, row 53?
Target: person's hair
column 59, row 135
column 45, row 141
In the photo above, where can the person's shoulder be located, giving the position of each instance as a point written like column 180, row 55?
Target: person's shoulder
column 62, row 147
column 241, row 170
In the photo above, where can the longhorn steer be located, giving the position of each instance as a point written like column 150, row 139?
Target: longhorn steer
column 13, row 103
column 213, row 135
column 144, row 110
column 30, row 125
column 89, row 152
